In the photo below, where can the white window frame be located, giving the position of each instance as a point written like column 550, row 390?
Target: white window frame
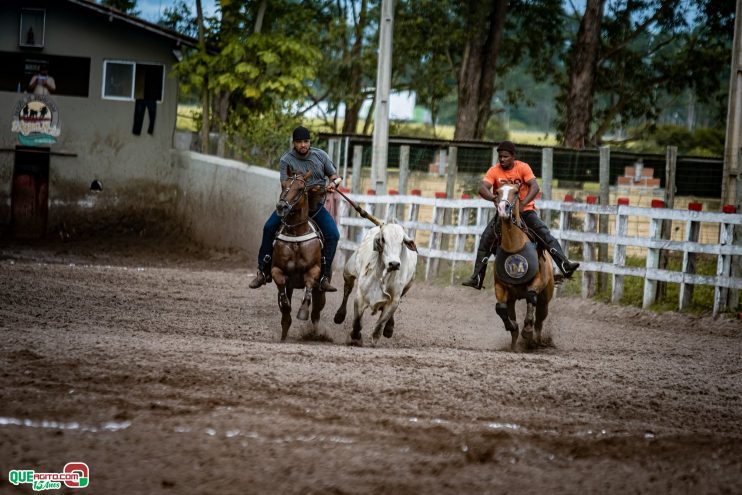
column 21, row 36
column 133, row 79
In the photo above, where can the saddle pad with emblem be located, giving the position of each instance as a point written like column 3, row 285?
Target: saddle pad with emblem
column 517, row 268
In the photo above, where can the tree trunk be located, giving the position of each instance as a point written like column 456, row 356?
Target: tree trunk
column 582, row 77
column 205, row 89
column 476, row 79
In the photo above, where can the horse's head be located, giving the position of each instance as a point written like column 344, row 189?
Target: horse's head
column 293, row 193
column 507, row 201
column 388, row 242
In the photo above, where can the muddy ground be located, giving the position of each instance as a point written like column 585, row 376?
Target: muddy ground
column 158, row 367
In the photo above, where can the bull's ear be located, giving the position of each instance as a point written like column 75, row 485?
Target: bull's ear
column 379, row 243
column 409, row 243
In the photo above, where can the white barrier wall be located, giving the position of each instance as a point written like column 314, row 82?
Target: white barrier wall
column 223, row 203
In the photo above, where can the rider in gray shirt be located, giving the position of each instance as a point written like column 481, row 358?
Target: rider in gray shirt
column 303, row 158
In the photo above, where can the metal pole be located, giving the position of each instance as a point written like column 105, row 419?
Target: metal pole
column 734, row 117
column 605, row 177
column 383, row 85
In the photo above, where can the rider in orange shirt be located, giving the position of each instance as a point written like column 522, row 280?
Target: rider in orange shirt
column 511, row 171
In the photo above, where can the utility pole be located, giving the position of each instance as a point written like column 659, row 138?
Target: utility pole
column 734, row 119
column 380, row 150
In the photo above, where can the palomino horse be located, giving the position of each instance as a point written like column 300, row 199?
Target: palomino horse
column 520, row 273
column 297, row 253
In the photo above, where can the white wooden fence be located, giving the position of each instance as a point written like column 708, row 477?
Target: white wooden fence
column 449, row 229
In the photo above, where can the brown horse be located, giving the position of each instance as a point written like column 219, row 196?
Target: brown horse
column 521, row 272
column 297, row 253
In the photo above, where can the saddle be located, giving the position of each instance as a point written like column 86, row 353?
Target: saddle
column 315, row 232
column 517, row 268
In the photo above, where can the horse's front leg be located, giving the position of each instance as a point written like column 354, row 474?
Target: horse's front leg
column 531, row 300
column 311, row 279
column 284, row 301
column 318, row 303
column 505, row 309
column 303, row 313
column 349, row 280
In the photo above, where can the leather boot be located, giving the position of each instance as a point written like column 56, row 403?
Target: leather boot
column 260, row 280
column 567, row 267
column 324, row 285
column 477, row 278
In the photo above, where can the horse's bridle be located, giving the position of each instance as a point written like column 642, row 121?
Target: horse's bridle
column 289, row 206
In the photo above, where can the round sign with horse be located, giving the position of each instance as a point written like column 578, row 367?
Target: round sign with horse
column 36, row 120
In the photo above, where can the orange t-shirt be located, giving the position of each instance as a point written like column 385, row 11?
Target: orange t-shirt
column 519, row 175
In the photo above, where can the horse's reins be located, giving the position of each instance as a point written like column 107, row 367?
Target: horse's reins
column 294, row 202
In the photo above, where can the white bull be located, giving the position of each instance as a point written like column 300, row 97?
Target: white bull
column 384, row 265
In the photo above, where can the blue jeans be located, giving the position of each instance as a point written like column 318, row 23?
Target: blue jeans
column 326, row 224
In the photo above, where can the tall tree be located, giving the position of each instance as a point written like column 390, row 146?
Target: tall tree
column 582, row 74
column 647, row 51
column 468, row 45
column 476, row 77
column 125, row 6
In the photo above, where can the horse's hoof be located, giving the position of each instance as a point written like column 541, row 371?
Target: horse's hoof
column 513, row 340
column 388, row 332
column 303, row 314
column 339, row 317
column 355, row 342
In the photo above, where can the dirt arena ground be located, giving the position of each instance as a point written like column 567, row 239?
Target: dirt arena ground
column 162, row 371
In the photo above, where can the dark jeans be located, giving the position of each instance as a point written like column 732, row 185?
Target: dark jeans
column 543, row 235
column 488, row 241
column 139, row 107
column 326, row 224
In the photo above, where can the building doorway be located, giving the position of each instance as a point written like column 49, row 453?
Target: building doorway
column 29, row 204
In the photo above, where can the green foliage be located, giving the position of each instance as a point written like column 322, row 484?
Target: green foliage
column 701, row 142
column 261, row 139
column 179, row 18
column 125, row 6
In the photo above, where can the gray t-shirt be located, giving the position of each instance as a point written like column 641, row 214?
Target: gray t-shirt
column 316, row 160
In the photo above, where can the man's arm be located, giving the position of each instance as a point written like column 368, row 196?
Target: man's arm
column 533, row 190
column 50, row 85
column 485, row 191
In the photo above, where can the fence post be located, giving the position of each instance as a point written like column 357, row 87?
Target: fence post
column 605, row 179
column 442, row 162
column 671, row 160
column 547, row 177
column 692, row 231
column 414, row 213
column 452, row 170
column 565, row 218
column 460, row 239
column 404, row 168
column 435, row 239
column 723, row 268
column 588, row 278
column 653, row 262
column 345, row 157
column 341, row 207
column 619, row 255
column 357, row 162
